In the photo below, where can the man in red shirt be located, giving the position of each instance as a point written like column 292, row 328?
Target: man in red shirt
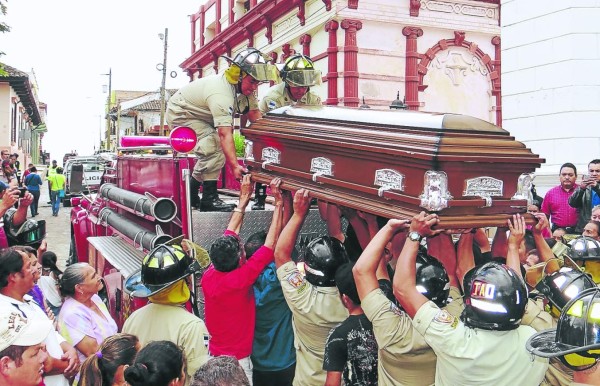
column 229, row 307
column 556, row 202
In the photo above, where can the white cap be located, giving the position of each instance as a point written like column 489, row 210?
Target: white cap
column 17, row 330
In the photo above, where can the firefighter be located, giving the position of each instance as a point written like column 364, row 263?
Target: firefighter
column 314, row 299
column 162, row 281
column 212, row 106
column 298, row 75
column 574, row 340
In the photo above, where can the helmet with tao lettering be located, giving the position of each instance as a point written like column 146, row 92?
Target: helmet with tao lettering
column 495, row 298
column 575, row 339
column 299, row 71
column 560, row 286
column 432, row 279
column 322, row 257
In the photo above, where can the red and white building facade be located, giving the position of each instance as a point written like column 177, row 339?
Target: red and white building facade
column 440, row 55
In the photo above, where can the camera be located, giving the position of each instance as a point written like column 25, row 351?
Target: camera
column 22, row 192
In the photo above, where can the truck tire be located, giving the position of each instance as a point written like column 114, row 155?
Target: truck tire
column 66, row 202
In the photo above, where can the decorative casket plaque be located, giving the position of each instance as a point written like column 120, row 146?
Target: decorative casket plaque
column 396, row 163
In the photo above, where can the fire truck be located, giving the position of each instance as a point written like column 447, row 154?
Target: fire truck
column 143, row 202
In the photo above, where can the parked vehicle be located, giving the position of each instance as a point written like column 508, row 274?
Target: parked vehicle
column 83, row 176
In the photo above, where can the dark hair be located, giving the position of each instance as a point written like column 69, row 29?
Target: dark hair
column 33, row 169
column 568, row 165
column 15, row 353
column 254, row 242
column 550, row 241
column 596, row 223
column 11, row 261
column 72, row 276
column 49, row 260
column 529, row 240
column 344, row 280
column 225, row 253
column 594, row 161
column 157, row 364
column 27, row 249
column 223, row 370
column 59, row 170
column 100, row 368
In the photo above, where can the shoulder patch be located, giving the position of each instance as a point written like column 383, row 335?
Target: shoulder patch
column 296, row 280
column 395, row 309
column 272, row 104
column 444, row 316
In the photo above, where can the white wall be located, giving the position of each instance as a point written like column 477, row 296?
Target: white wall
column 551, row 80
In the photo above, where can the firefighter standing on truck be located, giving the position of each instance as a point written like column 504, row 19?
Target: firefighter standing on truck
column 298, row 75
column 212, row 106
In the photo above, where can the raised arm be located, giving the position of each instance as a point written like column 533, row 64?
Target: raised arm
column 442, row 248
column 516, row 237
column 287, row 240
column 276, row 223
column 499, row 244
column 405, row 284
column 237, row 217
column 366, row 266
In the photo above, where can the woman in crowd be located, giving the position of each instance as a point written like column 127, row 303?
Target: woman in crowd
column 33, row 182
column 84, row 320
column 49, row 281
column 106, row 366
column 160, row 363
column 8, row 174
column 35, row 292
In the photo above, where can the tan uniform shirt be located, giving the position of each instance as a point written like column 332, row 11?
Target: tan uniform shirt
column 173, row 323
column 467, row 356
column 535, row 316
column 278, row 96
column 315, row 311
column 404, row 356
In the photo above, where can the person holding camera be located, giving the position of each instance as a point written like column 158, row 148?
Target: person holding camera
column 9, row 196
column 587, row 195
column 33, row 182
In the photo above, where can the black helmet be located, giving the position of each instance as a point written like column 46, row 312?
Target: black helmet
column 585, row 248
column 254, row 63
column 575, row 339
column 432, row 279
column 299, row 71
column 30, row 233
column 563, row 285
column 162, row 267
column 495, row 298
column 322, row 258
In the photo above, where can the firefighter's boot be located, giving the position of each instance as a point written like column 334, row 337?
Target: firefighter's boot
column 260, row 196
column 210, row 199
column 194, row 191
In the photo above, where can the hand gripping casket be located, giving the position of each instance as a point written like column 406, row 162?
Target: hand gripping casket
column 396, row 163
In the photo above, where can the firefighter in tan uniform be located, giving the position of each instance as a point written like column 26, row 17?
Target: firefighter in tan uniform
column 211, row 106
column 404, row 356
column 314, row 299
column 298, row 75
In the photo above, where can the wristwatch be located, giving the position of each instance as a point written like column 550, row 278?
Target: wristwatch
column 415, row 236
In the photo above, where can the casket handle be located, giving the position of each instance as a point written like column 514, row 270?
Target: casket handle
column 265, row 163
column 381, row 191
column 488, row 201
column 315, row 175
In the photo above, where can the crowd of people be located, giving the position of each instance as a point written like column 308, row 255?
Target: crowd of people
column 382, row 302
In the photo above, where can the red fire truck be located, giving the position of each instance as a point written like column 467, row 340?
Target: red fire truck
column 142, row 203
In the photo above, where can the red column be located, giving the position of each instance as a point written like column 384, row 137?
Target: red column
column 332, row 73
column 305, row 41
column 411, row 81
column 218, row 18
column 351, row 62
column 496, row 83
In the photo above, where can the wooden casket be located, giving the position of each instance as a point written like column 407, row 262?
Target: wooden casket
column 396, row 163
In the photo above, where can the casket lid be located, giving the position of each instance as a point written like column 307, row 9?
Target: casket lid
column 397, row 118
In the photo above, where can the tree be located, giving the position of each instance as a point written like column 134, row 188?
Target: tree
column 3, row 28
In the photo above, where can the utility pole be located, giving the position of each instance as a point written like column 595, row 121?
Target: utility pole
column 162, row 87
column 108, row 106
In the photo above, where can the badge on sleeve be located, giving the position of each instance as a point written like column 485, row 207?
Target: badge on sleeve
column 297, row 281
column 272, row 105
column 444, row 316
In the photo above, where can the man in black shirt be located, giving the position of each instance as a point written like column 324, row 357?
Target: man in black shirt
column 351, row 346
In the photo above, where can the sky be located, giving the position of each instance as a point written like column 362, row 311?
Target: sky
column 69, row 44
